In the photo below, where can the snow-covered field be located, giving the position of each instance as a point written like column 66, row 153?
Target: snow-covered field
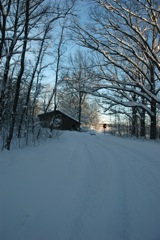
column 81, row 187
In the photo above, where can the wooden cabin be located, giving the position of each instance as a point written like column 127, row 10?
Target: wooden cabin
column 58, row 120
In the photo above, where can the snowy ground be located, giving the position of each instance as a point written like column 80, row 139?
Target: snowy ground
column 81, row 187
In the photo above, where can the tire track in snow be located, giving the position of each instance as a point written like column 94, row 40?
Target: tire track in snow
column 118, row 191
column 104, row 210
column 140, row 168
column 83, row 197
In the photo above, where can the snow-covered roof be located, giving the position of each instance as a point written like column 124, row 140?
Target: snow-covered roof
column 62, row 113
column 68, row 115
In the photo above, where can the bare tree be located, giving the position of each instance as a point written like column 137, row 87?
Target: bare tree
column 126, row 34
column 57, row 81
column 25, row 31
column 79, row 76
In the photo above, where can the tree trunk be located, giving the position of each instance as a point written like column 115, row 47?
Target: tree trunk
column 134, row 122
column 30, row 84
column 142, row 123
column 15, row 104
column 153, row 119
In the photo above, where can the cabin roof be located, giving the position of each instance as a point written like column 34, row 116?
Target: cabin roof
column 59, row 111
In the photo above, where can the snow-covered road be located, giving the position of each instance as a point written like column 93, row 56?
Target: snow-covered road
column 81, row 187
